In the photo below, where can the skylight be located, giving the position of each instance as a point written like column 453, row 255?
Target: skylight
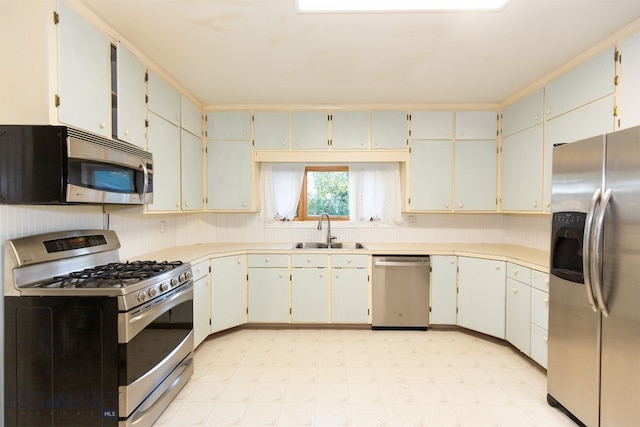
column 398, row 5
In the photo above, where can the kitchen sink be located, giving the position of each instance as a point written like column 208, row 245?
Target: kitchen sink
column 337, row 245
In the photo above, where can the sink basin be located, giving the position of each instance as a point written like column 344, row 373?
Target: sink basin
column 337, row 245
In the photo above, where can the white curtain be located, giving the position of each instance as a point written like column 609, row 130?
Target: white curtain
column 280, row 190
column 374, row 193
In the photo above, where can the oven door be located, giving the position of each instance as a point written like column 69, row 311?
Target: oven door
column 155, row 346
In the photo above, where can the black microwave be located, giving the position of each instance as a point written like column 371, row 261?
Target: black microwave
column 42, row 164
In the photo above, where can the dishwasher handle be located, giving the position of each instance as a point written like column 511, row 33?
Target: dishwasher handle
column 382, row 263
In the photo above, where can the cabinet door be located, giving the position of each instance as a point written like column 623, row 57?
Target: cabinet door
column 431, row 175
column 539, row 345
column 629, row 91
column 523, row 114
column 229, row 125
column 271, row 130
column 191, row 170
column 431, row 125
column 228, row 294
column 229, row 175
column 190, row 116
column 594, row 119
column 518, row 315
column 310, row 130
column 583, row 84
column 475, row 175
column 131, row 108
column 201, row 313
column 521, row 177
column 84, row 83
column 481, row 295
column 309, row 295
column 444, row 290
column 476, row 124
column 268, row 295
column 349, row 130
column 389, row 129
column 164, row 99
column 164, row 143
column 349, row 295
column 540, row 308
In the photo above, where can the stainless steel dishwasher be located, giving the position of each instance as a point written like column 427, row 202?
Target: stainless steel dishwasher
column 400, row 297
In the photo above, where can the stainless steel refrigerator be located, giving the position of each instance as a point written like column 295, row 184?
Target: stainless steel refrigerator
column 594, row 296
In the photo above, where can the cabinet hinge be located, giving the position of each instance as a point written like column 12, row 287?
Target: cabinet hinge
column 616, row 80
column 146, row 99
column 430, row 309
column 407, row 142
column 617, row 56
column 209, row 269
column 253, row 142
column 56, row 100
column 290, row 312
column 409, row 201
column 615, row 111
column 253, row 120
column 368, row 311
column 247, row 273
column 146, row 123
column 409, row 150
column 409, row 117
column 247, row 310
column 146, row 76
column 209, row 322
column 329, row 142
column 56, row 17
column 368, row 278
column 290, row 277
column 330, row 117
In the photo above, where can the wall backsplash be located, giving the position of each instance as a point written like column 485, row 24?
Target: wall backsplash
column 140, row 234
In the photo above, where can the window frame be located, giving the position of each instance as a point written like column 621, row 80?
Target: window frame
column 302, row 204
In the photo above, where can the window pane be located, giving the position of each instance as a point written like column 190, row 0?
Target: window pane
column 328, row 192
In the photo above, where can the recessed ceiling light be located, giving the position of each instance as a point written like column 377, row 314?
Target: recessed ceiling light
column 398, row 5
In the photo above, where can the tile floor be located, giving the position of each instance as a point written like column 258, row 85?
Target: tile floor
column 359, row 377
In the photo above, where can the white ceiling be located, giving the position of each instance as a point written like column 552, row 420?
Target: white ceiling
column 261, row 52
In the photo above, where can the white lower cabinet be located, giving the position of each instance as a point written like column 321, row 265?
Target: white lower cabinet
column 349, row 288
column 444, row 290
column 309, row 288
column 518, row 307
column 539, row 316
column 268, row 288
column 481, row 302
column 228, row 292
column 201, row 297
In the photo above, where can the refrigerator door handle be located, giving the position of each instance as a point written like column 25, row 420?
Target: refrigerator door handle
column 586, row 248
column 596, row 259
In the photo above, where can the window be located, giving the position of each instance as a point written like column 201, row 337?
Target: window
column 325, row 189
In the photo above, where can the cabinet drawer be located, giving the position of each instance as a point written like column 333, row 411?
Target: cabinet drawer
column 200, row 270
column 540, row 280
column 519, row 273
column 539, row 345
column 540, row 308
column 309, row 260
column 349, row 261
column 268, row 260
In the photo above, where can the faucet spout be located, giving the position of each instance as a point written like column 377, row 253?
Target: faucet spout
column 329, row 237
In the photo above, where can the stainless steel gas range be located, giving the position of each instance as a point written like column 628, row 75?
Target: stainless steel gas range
column 89, row 340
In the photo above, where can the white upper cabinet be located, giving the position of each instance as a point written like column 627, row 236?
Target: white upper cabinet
column 629, row 91
column 432, row 125
column 349, row 130
column 271, row 130
column 130, row 92
column 476, row 124
column 524, row 113
column 388, row 129
column 431, row 175
column 522, row 166
column 229, row 126
column 190, row 116
column 164, row 99
column 164, row 143
column 587, row 82
column 310, row 130
column 229, row 175
column 191, row 163
column 84, row 80
column 475, row 175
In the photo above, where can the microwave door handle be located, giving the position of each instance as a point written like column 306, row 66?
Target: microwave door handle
column 586, row 248
column 596, row 261
column 145, row 186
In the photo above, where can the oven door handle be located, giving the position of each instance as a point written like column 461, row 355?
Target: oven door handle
column 130, row 324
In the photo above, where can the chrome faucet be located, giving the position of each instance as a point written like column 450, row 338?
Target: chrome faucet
column 329, row 237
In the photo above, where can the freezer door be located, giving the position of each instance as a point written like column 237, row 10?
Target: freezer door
column 574, row 354
column 620, row 369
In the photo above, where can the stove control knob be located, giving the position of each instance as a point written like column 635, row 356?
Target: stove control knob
column 183, row 277
column 142, row 296
column 152, row 292
column 174, row 281
column 164, row 287
column 189, row 275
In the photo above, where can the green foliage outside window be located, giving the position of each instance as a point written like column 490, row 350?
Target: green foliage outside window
column 328, row 192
